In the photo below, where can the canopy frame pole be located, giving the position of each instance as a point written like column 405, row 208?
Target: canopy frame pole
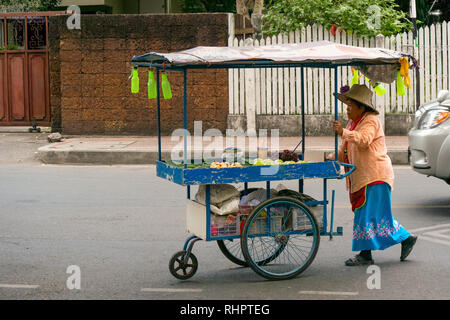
column 188, row 188
column 302, row 76
column 185, row 117
column 335, row 112
column 158, row 107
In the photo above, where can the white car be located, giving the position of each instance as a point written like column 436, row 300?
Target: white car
column 429, row 139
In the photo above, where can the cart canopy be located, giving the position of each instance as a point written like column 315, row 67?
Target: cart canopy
column 321, row 51
column 376, row 63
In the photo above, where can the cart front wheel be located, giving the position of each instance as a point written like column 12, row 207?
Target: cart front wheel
column 183, row 265
column 280, row 238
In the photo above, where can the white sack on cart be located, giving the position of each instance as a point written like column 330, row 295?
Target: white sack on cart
column 224, row 198
column 219, row 193
column 227, row 207
column 256, row 197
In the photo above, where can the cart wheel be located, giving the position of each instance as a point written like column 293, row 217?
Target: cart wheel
column 232, row 250
column 280, row 238
column 183, row 267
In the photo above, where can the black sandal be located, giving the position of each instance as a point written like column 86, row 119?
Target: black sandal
column 358, row 260
column 407, row 246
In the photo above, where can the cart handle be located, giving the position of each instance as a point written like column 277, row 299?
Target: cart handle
column 351, row 166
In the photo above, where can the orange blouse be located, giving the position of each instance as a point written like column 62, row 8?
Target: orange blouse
column 366, row 149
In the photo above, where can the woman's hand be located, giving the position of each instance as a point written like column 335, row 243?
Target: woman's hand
column 330, row 156
column 337, row 127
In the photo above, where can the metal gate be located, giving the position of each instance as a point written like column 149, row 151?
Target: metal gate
column 24, row 71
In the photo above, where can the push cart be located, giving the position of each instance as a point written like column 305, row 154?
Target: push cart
column 280, row 237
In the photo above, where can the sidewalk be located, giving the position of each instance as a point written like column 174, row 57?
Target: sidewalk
column 144, row 150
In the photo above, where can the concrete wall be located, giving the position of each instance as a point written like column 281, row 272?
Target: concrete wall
column 117, row 5
column 67, row 3
column 315, row 125
column 157, row 6
column 89, row 70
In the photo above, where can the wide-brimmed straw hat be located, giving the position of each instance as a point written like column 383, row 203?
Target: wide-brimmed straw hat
column 358, row 92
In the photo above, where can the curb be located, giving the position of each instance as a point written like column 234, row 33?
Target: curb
column 107, row 157
column 135, row 157
column 23, row 129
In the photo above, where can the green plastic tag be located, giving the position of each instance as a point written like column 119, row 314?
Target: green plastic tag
column 167, row 92
column 151, row 85
column 134, row 80
column 400, row 85
column 355, row 79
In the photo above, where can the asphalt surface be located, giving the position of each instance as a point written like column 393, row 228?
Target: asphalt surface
column 120, row 225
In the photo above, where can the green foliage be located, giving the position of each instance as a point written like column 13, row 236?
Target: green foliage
column 48, row 5
column 28, row 5
column 208, row 5
column 353, row 16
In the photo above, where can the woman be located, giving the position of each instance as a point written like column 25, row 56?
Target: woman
column 370, row 184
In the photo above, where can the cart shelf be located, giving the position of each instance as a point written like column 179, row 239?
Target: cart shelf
column 327, row 170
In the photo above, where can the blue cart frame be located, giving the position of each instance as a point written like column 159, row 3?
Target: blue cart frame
column 328, row 169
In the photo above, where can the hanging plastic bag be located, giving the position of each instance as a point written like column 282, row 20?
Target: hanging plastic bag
column 151, row 85
column 400, row 85
column 355, row 79
column 134, row 80
column 167, row 92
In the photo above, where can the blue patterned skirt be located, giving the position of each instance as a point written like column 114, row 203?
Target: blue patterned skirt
column 374, row 228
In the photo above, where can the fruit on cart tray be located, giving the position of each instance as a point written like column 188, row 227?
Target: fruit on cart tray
column 217, row 165
column 288, row 155
column 265, row 162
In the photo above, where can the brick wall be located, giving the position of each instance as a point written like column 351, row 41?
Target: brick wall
column 89, row 70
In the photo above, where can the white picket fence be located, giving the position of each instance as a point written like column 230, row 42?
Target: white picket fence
column 278, row 90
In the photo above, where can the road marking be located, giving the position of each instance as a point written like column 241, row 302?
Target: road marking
column 433, row 235
column 18, row 286
column 330, row 293
column 169, row 290
column 438, row 234
column 402, row 206
column 430, row 228
column 435, row 240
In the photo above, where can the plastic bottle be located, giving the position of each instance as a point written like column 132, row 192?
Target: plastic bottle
column 151, row 85
column 167, row 92
column 134, row 80
column 379, row 89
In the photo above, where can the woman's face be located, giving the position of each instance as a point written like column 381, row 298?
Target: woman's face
column 353, row 110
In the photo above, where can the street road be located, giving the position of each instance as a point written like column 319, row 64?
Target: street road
column 120, row 225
